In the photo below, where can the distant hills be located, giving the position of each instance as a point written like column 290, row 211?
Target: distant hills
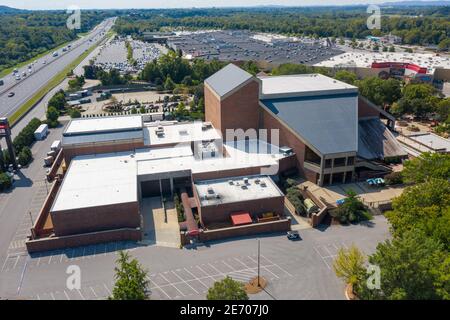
column 5, row 9
column 417, row 3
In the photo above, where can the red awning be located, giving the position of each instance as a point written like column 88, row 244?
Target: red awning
column 241, row 218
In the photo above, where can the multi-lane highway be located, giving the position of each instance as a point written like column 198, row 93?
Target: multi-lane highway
column 14, row 93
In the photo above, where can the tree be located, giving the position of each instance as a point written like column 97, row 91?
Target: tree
column 411, row 267
column 25, row 156
column 52, row 117
column 428, row 165
column 424, row 207
column 345, row 76
column 352, row 210
column 349, row 265
column 131, row 283
column 75, row 113
column 58, row 101
column 443, row 109
column 418, row 99
column 5, row 181
column 379, row 91
column 169, row 85
column 227, row 289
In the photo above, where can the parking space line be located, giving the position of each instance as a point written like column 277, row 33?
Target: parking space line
column 107, row 289
column 81, row 295
column 196, row 278
column 4, row 263
column 245, row 266
column 227, row 265
column 158, row 287
column 93, row 291
column 17, row 260
column 206, row 273
column 51, row 295
column 184, row 282
column 220, row 272
column 265, row 268
column 161, row 275
column 67, row 296
column 276, row 265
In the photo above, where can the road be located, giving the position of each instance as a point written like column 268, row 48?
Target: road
column 43, row 73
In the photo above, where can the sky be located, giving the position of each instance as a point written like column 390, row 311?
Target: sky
column 110, row 4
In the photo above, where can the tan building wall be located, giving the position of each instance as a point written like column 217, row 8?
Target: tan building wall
column 72, row 151
column 84, row 220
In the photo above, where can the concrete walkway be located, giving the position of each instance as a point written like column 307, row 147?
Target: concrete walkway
column 157, row 230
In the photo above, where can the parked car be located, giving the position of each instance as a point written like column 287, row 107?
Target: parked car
column 11, row 94
column 293, row 235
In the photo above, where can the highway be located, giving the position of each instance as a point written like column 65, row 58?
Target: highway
column 42, row 72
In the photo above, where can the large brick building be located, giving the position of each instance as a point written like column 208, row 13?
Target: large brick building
column 320, row 119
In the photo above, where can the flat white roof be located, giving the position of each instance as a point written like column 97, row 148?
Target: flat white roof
column 220, row 191
column 175, row 133
column 433, row 141
column 100, row 180
column 106, row 124
column 302, row 85
column 365, row 59
column 238, row 158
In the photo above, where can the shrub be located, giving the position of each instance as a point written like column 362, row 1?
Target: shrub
column 5, row 181
column 26, row 137
column 394, row 178
column 75, row 113
column 352, row 210
column 25, row 156
column 296, row 198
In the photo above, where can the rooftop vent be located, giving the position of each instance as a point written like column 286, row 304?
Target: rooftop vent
column 244, row 187
column 210, row 190
column 246, row 180
column 263, row 184
column 230, row 182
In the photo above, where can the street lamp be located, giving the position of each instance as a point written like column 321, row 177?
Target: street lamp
column 259, row 254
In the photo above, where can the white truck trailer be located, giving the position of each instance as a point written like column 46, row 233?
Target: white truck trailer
column 41, row 132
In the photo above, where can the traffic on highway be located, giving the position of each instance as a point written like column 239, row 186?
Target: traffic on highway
column 19, row 86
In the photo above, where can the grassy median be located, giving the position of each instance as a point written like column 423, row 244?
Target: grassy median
column 23, row 109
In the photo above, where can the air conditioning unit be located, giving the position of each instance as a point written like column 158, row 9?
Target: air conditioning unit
column 263, row 184
column 210, row 190
column 246, row 180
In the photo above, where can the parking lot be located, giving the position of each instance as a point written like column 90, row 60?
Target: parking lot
column 233, row 45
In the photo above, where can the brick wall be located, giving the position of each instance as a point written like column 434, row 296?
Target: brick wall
column 54, row 243
column 240, row 110
column 287, row 138
column 221, row 213
column 283, row 225
column 84, row 220
column 364, row 110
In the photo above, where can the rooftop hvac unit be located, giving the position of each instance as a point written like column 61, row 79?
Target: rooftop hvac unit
column 263, row 184
column 246, row 180
column 230, row 182
column 257, row 181
column 183, row 132
column 244, row 187
column 210, row 190
column 206, row 126
column 217, row 196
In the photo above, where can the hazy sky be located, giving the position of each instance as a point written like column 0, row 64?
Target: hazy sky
column 87, row 4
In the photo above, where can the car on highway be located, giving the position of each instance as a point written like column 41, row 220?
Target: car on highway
column 293, row 235
column 11, row 94
column 18, row 77
column 2, row 82
column 44, row 62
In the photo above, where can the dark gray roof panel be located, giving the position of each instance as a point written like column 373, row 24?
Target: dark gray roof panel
column 328, row 123
column 103, row 137
column 227, row 78
column 376, row 141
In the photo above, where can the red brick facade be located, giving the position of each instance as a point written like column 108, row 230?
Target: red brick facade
column 84, row 220
column 237, row 111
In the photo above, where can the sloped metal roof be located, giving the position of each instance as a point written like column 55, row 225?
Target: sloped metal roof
column 102, row 137
column 227, row 78
column 328, row 123
column 375, row 141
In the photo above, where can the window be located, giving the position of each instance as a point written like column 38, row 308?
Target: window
column 339, row 162
column 350, row 161
column 328, row 163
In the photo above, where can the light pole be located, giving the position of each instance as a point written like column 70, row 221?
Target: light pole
column 46, row 187
column 259, row 250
